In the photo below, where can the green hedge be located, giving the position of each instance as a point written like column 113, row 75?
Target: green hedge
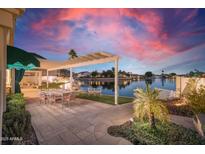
column 15, row 102
column 16, row 120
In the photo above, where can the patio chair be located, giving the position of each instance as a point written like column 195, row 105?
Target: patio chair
column 44, row 98
column 55, row 98
column 68, row 98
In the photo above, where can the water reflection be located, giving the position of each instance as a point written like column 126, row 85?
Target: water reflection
column 126, row 87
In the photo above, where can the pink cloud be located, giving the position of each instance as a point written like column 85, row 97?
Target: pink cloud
column 109, row 25
column 52, row 28
column 150, row 19
column 191, row 15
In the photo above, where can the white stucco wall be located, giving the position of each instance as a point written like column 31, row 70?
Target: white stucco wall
column 181, row 83
column 7, row 28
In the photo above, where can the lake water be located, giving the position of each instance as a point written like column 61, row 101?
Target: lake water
column 126, row 87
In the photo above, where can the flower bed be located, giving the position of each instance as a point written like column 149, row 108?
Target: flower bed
column 165, row 133
column 178, row 107
column 182, row 110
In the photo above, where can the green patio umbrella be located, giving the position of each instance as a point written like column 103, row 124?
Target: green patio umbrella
column 18, row 55
column 20, row 60
column 19, row 66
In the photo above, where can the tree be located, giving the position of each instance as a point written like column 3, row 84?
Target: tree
column 172, row 74
column 148, row 77
column 148, row 74
column 162, row 72
column 72, row 54
column 113, row 70
column 195, row 98
column 147, row 105
column 94, row 74
column 110, row 74
column 195, row 73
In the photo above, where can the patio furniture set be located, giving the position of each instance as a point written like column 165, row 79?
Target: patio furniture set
column 29, row 85
column 165, row 94
column 57, row 96
column 95, row 91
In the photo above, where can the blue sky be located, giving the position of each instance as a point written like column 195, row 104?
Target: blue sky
column 145, row 39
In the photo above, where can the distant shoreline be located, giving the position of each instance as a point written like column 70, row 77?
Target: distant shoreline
column 112, row 79
column 102, row 79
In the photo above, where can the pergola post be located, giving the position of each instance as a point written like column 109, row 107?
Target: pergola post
column 71, row 75
column 39, row 78
column 71, row 78
column 3, row 43
column 12, row 80
column 116, row 81
column 47, row 79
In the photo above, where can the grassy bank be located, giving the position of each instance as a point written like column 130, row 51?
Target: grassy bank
column 105, row 98
column 51, row 85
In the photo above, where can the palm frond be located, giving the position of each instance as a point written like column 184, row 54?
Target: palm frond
column 146, row 102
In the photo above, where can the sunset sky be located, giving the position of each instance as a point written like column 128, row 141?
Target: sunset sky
column 145, row 39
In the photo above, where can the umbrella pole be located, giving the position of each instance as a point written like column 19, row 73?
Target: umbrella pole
column 47, row 79
column 12, row 81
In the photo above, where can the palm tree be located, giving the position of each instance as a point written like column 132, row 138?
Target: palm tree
column 148, row 106
column 72, row 54
column 148, row 74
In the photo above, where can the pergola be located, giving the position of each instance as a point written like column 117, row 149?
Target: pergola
column 90, row 59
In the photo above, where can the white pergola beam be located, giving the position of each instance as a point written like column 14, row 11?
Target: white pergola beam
column 105, row 54
column 85, row 63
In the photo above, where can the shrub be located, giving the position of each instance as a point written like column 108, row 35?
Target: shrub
column 16, row 120
column 16, row 123
column 195, row 98
column 140, row 132
column 15, row 102
column 15, row 96
column 166, row 133
column 147, row 106
column 182, row 110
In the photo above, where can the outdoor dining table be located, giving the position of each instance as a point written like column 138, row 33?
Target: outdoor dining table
column 54, row 95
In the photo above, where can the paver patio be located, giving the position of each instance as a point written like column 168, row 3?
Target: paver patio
column 83, row 122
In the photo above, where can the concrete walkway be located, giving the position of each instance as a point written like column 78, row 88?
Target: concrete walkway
column 84, row 122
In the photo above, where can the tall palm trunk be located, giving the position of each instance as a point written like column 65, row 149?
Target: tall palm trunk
column 198, row 125
column 152, row 120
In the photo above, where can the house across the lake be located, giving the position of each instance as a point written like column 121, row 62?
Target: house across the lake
column 83, row 74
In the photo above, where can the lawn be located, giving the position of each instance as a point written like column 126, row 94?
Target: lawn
column 108, row 99
column 51, row 85
column 164, row 134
